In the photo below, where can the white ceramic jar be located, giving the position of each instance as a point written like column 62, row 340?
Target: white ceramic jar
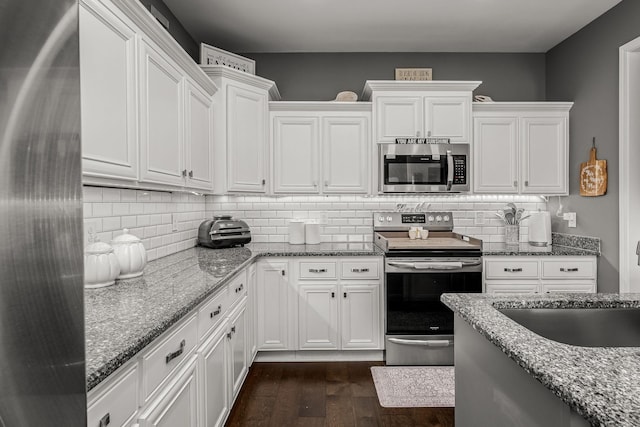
column 101, row 266
column 131, row 254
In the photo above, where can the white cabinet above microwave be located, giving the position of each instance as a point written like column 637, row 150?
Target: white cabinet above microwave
column 421, row 109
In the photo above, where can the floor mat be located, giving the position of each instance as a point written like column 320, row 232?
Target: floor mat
column 414, row 386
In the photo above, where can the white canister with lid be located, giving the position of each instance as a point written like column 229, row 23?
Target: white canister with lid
column 312, row 233
column 131, row 254
column 296, row 232
column 101, row 266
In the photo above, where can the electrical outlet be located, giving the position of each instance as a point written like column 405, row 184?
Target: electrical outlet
column 479, row 218
column 571, row 217
column 174, row 222
column 324, row 218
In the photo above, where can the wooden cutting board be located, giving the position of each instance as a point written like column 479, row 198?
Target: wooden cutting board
column 593, row 176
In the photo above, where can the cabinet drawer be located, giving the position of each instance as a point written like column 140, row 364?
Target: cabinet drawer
column 212, row 313
column 568, row 269
column 117, row 404
column 318, row 270
column 167, row 355
column 237, row 288
column 503, row 269
column 569, row 287
column 511, row 288
column 360, row 269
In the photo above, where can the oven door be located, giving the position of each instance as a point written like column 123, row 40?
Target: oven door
column 413, row 289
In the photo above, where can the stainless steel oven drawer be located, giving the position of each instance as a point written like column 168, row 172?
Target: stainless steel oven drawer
column 419, row 350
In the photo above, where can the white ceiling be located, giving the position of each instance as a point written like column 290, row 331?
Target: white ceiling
column 385, row 25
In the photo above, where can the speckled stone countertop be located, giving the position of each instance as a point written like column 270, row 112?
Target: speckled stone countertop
column 601, row 383
column 121, row 320
column 562, row 245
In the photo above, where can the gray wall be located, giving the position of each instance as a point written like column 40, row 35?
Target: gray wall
column 584, row 69
column 320, row 76
column 176, row 29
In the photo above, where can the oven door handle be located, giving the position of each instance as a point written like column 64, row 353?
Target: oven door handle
column 455, row 265
column 422, row 343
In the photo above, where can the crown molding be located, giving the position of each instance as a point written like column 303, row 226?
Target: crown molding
column 220, row 71
column 521, row 106
column 417, row 85
column 331, row 106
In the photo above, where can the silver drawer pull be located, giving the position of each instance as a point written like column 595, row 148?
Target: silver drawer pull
column 317, row 270
column 176, row 353
column 359, row 270
column 513, row 270
column 239, row 288
column 104, row 421
column 216, row 312
column 569, row 270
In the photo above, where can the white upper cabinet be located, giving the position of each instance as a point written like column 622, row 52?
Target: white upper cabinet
column 241, row 130
column 161, row 118
column 320, row 147
column 108, row 92
column 521, row 148
column 199, row 134
column 421, row 109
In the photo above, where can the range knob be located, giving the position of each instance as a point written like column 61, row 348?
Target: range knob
column 381, row 218
column 446, row 218
column 389, row 218
column 431, row 218
column 438, row 218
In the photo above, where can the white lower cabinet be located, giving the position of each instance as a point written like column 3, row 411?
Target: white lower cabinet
column 361, row 323
column 539, row 274
column 252, row 337
column 114, row 402
column 274, row 303
column 318, row 316
column 215, row 392
column 237, row 336
column 177, row 405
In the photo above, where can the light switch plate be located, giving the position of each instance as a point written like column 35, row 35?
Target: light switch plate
column 571, row 217
column 174, row 222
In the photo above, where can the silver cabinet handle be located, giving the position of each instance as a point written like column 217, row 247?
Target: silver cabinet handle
column 569, row 270
column 184, row 172
column 515, row 183
column 176, row 353
column 239, row 288
column 359, row 270
column 345, row 295
column 216, row 312
column 333, row 294
column 317, row 270
column 526, row 183
column 190, row 174
column 264, row 181
column 513, row 270
column 104, row 421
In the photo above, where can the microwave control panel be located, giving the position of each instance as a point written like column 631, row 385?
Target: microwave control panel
column 459, row 169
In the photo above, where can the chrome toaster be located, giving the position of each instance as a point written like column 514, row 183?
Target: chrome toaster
column 223, row 232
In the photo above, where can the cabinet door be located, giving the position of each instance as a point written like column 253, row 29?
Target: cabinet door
column 544, row 158
column 398, row 116
column 252, row 337
column 161, row 118
column 273, row 306
column 177, row 405
column 318, row 317
column 448, row 117
column 295, row 154
column 238, row 337
column 216, row 381
column 199, row 138
column 246, row 139
column 495, row 149
column 345, row 154
column 360, row 316
column 108, row 87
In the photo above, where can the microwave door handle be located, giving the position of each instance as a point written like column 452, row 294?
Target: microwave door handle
column 449, row 170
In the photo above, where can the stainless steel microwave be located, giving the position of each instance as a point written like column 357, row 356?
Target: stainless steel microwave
column 423, row 168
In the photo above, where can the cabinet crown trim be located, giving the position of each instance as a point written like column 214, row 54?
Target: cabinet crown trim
column 151, row 28
column 521, row 106
column 319, row 106
column 412, row 85
column 219, row 71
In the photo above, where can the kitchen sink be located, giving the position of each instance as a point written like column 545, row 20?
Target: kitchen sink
column 586, row 327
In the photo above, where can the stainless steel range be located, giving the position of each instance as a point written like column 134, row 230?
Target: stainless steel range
column 419, row 328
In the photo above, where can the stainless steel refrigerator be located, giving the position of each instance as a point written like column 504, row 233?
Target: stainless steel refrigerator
column 42, row 357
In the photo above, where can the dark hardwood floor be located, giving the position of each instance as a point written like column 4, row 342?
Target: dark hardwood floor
column 322, row 394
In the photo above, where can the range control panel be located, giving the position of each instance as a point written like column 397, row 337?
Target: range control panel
column 437, row 221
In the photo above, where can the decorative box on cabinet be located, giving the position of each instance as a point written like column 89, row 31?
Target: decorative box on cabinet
column 436, row 108
column 531, row 274
column 241, row 131
column 521, row 147
column 332, row 139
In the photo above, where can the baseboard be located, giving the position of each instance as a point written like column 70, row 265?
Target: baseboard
column 320, row 356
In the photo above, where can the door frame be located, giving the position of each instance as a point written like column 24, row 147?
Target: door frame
column 629, row 77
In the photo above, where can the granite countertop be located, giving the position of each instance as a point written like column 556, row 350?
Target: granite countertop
column 121, row 320
column 601, row 383
column 562, row 245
